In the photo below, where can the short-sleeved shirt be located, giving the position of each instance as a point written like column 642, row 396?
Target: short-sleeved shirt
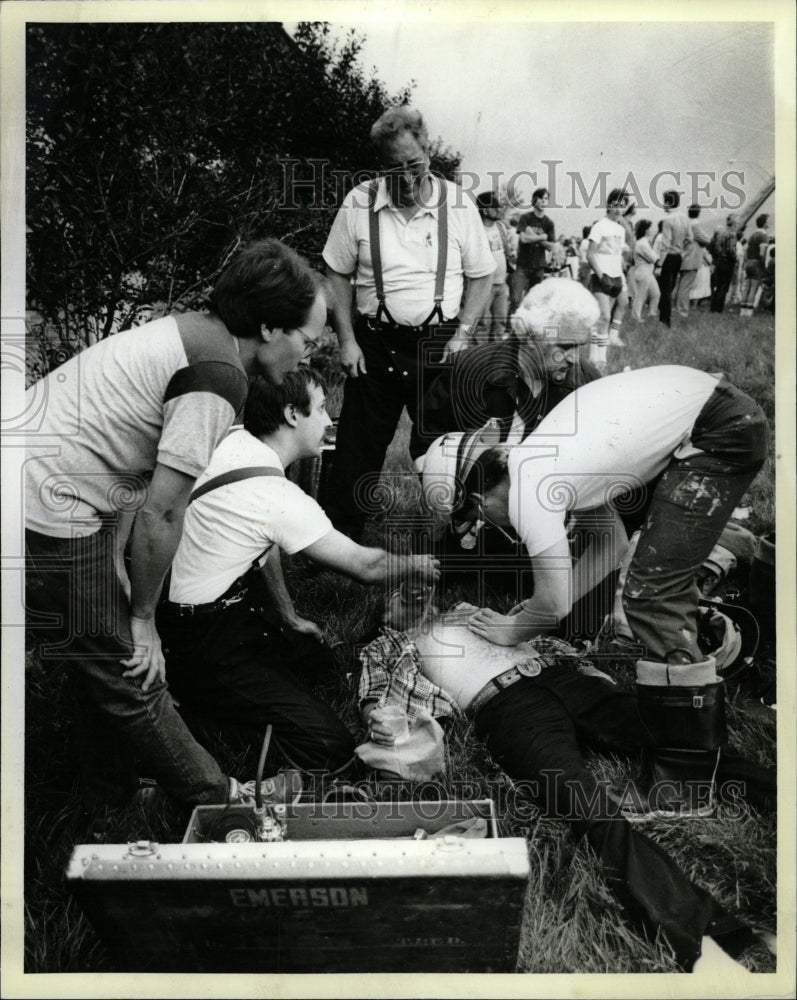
column 609, row 238
column 230, row 528
column 615, row 433
column 677, row 232
column 531, row 256
column 755, row 243
column 495, row 239
column 166, row 392
column 409, row 251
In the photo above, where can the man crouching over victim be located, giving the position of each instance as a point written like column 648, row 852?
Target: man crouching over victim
column 535, row 704
column 691, row 443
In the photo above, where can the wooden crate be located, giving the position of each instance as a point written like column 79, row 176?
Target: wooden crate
column 349, row 890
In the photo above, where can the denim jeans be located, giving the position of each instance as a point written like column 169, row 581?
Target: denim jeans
column 691, row 504
column 76, row 605
column 534, row 730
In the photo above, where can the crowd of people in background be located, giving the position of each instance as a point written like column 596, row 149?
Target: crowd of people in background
column 676, row 265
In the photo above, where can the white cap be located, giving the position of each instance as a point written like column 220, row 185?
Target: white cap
column 556, row 310
column 446, row 464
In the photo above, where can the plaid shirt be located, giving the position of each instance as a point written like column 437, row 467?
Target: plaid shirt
column 392, row 667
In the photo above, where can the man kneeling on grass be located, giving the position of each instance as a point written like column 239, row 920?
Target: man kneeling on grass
column 534, row 704
column 226, row 660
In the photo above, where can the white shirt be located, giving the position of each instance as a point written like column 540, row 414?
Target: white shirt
column 409, row 252
column 229, row 528
column 628, row 427
column 609, row 237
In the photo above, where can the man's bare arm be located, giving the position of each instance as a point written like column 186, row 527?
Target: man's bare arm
column 156, row 535
column 351, row 357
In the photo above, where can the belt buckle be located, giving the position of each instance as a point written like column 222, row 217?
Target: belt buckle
column 529, row 668
column 186, row 610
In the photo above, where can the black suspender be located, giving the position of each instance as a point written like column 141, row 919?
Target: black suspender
column 234, row 476
column 442, row 254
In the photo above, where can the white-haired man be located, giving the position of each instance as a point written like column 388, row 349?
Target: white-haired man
column 407, row 241
column 511, row 386
column 515, row 383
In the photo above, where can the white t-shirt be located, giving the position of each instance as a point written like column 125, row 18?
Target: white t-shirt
column 409, row 252
column 609, row 237
column 228, row 528
column 628, row 427
column 165, row 392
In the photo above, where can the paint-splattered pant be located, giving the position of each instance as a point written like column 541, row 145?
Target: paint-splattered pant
column 690, row 506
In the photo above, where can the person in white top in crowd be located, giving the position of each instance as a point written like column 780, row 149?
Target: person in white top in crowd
column 605, row 256
column 676, row 237
column 492, row 324
column 646, row 287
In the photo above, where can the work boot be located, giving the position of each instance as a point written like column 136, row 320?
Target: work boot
column 682, row 706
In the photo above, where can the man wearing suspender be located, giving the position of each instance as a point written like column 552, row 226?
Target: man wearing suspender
column 408, row 241
column 123, row 430
column 228, row 658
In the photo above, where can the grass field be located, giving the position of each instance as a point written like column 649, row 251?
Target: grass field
column 572, row 922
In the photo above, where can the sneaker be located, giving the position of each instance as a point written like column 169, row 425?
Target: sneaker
column 282, row 789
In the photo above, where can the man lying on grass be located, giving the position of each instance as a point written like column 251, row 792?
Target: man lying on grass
column 534, row 705
column 227, row 658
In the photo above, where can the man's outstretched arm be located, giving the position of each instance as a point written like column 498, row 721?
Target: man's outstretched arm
column 552, row 601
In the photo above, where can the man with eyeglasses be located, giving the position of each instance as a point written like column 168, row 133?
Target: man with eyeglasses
column 124, row 430
column 237, row 651
column 405, row 243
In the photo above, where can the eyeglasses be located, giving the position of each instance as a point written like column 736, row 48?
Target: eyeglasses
column 414, row 168
column 310, row 345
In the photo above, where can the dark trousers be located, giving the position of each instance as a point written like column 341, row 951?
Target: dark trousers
column 534, row 730
column 521, row 281
column 400, row 363
column 233, row 668
column 670, row 269
column 721, row 277
column 77, row 606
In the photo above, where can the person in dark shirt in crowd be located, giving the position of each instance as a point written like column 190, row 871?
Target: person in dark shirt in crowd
column 723, row 251
column 536, row 234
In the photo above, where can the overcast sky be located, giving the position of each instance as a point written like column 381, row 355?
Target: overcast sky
column 616, row 97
